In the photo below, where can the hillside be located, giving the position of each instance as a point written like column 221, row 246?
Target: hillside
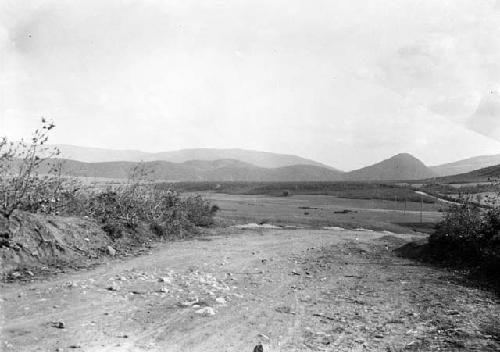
column 200, row 170
column 257, row 158
column 490, row 173
column 466, row 165
column 399, row 167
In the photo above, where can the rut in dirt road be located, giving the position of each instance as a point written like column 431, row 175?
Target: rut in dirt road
column 289, row 290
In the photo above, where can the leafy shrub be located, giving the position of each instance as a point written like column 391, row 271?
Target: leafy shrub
column 164, row 210
column 200, row 212
column 117, row 208
column 20, row 185
column 114, row 229
column 468, row 235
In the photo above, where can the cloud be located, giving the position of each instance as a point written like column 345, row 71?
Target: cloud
column 342, row 82
column 450, row 66
column 486, row 118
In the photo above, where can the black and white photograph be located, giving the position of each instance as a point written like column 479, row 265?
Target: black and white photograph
column 249, row 175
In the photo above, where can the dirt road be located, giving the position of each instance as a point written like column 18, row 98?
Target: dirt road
column 291, row 290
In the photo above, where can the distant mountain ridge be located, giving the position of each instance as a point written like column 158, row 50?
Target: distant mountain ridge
column 248, row 165
column 257, row 158
column 402, row 166
column 399, row 167
column 466, row 165
column 490, row 173
column 199, row 170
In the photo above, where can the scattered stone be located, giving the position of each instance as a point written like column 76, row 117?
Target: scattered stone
column 164, row 290
column 111, row 251
column 59, row 324
column 258, row 348
column 263, row 336
column 188, row 303
column 220, row 300
column 113, row 287
column 283, row 309
column 165, row 280
column 207, row 311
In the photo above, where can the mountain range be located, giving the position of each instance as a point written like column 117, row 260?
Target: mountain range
column 199, row 170
column 466, row 165
column 257, row 158
column 486, row 174
column 205, row 164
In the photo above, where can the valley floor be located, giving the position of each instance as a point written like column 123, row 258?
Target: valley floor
column 289, row 289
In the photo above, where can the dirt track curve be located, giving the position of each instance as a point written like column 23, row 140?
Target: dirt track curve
column 291, row 290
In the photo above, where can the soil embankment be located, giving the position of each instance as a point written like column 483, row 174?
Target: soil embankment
column 32, row 244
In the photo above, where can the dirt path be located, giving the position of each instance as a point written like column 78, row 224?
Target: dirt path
column 291, row 290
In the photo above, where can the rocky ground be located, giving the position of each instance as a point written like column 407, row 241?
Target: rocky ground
column 287, row 289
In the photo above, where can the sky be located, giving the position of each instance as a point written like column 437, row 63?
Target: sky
column 346, row 83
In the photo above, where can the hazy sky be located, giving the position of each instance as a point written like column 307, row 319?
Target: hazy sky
column 343, row 82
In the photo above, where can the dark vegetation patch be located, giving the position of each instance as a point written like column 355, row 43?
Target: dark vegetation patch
column 354, row 190
column 467, row 239
column 345, row 211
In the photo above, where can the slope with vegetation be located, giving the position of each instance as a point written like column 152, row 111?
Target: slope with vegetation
column 487, row 174
column 130, row 209
column 466, row 165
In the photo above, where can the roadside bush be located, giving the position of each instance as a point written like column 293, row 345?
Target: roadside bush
column 31, row 180
column 114, row 229
column 468, row 235
column 200, row 211
column 166, row 213
column 20, row 185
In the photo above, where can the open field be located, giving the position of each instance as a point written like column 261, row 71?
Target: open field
column 392, row 191
column 323, row 211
